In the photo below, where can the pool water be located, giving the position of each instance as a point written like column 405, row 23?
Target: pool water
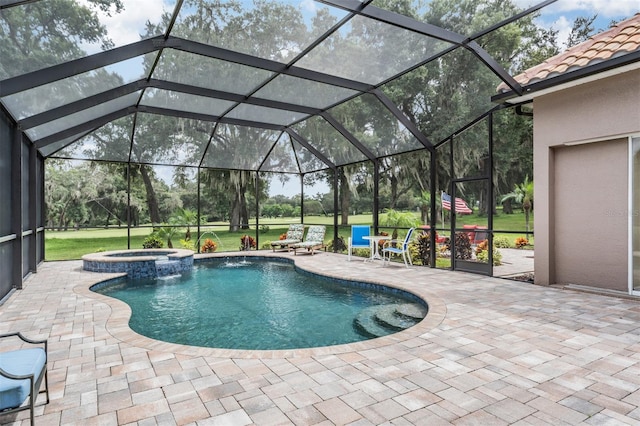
column 248, row 305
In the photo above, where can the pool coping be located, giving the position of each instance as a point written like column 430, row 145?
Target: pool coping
column 112, row 256
column 118, row 322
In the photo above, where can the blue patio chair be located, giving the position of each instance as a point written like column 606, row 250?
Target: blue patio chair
column 356, row 240
column 402, row 249
column 22, row 371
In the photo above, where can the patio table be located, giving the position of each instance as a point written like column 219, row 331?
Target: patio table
column 374, row 239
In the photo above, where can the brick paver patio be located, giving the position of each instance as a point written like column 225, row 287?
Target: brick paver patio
column 490, row 352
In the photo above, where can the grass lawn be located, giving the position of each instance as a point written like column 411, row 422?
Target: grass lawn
column 67, row 245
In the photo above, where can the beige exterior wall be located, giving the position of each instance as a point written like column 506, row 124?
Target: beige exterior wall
column 590, row 238
column 579, row 189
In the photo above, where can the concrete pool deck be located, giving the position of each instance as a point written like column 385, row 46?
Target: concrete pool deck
column 490, row 352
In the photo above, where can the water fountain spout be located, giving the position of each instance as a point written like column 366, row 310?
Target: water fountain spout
column 210, row 233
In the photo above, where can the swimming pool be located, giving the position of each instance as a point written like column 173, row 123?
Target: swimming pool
column 261, row 304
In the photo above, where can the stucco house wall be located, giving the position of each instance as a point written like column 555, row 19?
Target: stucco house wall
column 581, row 181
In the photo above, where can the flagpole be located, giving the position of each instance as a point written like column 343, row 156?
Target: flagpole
column 442, row 208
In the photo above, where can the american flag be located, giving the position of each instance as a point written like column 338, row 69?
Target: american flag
column 461, row 206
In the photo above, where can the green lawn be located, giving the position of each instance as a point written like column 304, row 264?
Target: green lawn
column 67, row 245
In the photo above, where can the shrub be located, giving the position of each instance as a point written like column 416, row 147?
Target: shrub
column 247, row 242
column 462, row 246
column 521, row 242
column 266, row 245
column 501, row 242
column 283, row 236
column 188, row 244
column 482, row 246
column 483, row 256
column 361, row 253
column 264, row 229
column 414, row 252
column 482, row 253
column 423, row 248
column 152, row 241
column 339, row 245
column 209, row 246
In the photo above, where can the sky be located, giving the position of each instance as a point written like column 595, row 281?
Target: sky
column 125, row 28
column 292, row 187
column 561, row 14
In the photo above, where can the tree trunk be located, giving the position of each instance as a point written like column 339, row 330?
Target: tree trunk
column 152, row 199
column 61, row 222
column 244, row 212
column 424, row 213
column 238, row 211
column 234, row 214
column 483, row 207
column 507, row 208
column 133, row 216
column 394, row 192
column 345, row 200
column 239, row 214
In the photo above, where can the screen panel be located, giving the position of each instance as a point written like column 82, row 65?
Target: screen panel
column 6, row 166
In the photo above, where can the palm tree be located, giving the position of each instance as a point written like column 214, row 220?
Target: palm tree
column 395, row 219
column 167, row 231
column 187, row 217
column 522, row 194
column 424, row 202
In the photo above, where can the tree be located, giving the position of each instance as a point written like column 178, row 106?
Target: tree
column 30, row 39
column 110, row 202
column 167, row 232
column 269, row 30
column 313, row 208
column 522, row 194
column 439, row 97
column 287, row 210
column 396, row 219
column 152, row 199
column 424, row 203
column 68, row 190
column 187, row 217
column 457, row 88
column 230, row 189
column 581, row 30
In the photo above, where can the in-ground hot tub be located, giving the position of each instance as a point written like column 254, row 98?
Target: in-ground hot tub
column 144, row 263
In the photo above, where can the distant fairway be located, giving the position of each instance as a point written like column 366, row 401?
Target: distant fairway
column 68, row 245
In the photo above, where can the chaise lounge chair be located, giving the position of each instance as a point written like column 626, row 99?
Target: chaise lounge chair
column 294, row 235
column 314, row 241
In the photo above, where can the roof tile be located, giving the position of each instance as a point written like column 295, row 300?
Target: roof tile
column 617, row 41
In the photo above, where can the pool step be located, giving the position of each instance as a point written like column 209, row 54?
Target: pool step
column 381, row 320
column 412, row 311
column 165, row 268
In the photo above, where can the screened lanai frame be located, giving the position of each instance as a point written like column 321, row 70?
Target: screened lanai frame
column 48, row 127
